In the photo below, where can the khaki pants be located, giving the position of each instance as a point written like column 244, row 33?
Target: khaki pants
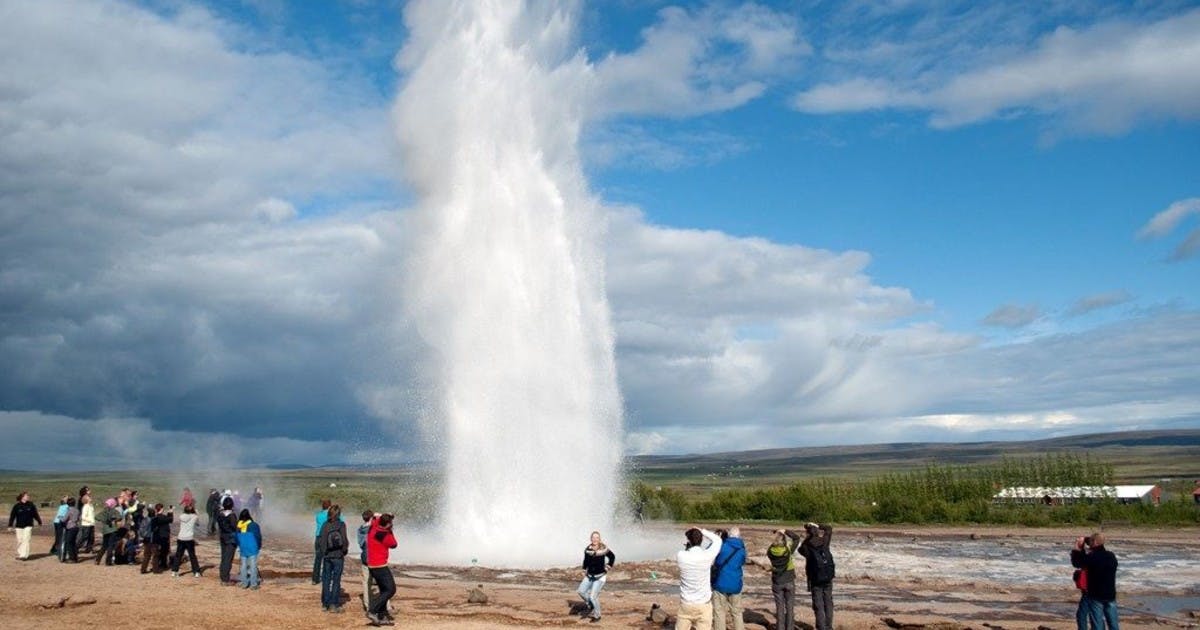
column 694, row 615
column 24, row 535
column 369, row 585
column 731, row 604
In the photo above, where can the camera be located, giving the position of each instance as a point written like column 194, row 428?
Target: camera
column 1087, row 541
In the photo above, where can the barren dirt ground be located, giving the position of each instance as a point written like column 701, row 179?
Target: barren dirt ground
column 42, row 592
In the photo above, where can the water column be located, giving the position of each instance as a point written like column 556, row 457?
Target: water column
column 504, row 279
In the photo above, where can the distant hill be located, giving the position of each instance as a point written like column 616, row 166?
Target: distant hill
column 1134, row 454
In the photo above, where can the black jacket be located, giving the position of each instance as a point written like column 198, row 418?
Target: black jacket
column 1101, row 567
column 594, row 560
column 213, row 505
column 808, row 549
column 23, row 515
column 227, row 525
column 160, row 528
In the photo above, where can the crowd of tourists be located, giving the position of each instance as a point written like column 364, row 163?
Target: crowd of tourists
column 137, row 533
column 124, row 529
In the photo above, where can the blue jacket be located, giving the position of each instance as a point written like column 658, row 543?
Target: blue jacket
column 249, row 538
column 728, row 567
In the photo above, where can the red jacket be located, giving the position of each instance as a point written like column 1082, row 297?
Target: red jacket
column 379, row 541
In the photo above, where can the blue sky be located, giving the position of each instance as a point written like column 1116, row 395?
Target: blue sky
column 909, row 216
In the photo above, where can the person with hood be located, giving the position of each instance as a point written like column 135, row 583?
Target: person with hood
column 227, row 524
column 69, row 545
column 1100, row 565
column 21, row 519
column 597, row 559
column 783, row 576
column 695, row 579
column 380, row 542
column 110, row 519
column 211, row 507
column 819, row 571
column 249, row 542
column 727, row 579
column 333, row 545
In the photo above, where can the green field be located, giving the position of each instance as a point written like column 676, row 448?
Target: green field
column 725, row 485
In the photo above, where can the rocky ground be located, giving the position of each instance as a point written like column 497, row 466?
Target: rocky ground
column 887, row 578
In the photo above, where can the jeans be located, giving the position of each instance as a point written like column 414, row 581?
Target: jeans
column 1104, row 614
column 589, row 590
column 1083, row 614
column 248, row 572
column 784, row 592
column 190, row 547
column 822, row 604
column 227, row 549
column 69, row 546
column 58, row 533
column 730, row 604
column 108, row 543
column 331, row 582
column 317, row 560
column 387, row 588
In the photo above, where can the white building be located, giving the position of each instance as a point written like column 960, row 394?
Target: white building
column 1077, row 494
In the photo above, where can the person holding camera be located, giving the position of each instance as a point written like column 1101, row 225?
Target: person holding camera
column 819, row 570
column 1099, row 570
column 783, row 575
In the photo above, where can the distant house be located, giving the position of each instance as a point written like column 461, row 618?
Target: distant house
column 1079, row 494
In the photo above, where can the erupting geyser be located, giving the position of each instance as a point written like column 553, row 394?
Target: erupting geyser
column 505, row 279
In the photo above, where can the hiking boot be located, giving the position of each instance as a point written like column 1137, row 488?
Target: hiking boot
column 337, row 609
column 374, row 619
column 196, row 574
column 174, row 574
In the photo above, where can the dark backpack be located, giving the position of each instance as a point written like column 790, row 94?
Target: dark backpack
column 824, row 569
column 334, row 540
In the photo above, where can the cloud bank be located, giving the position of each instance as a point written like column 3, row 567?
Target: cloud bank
column 199, row 245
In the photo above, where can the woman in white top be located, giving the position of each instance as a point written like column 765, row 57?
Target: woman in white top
column 87, row 524
column 186, row 540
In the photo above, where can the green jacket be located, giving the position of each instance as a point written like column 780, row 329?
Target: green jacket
column 109, row 519
column 782, row 566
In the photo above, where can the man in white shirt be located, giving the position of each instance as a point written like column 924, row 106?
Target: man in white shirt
column 695, row 589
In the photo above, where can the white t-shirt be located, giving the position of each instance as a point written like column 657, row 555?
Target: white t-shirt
column 694, row 575
column 87, row 515
column 187, row 526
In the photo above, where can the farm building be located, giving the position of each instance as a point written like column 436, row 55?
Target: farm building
column 1079, row 494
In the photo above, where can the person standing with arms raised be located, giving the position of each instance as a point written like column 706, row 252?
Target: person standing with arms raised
column 695, row 590
column 783, row 576
column 727, row 579
column 1101, row 567
column 819, row 571
column 380, row 542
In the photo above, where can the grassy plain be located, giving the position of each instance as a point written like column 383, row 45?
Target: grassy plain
column 1168, row 458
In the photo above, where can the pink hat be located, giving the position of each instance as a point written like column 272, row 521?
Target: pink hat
column 110, row 502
